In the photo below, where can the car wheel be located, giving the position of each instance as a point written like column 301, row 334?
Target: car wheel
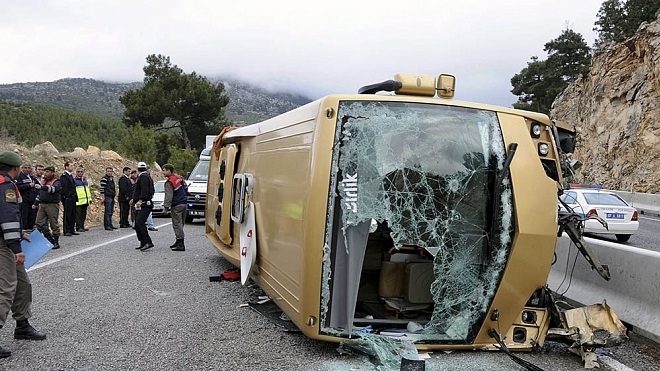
column 622, row 237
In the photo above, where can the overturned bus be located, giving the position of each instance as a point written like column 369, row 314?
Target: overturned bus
column 397, row 211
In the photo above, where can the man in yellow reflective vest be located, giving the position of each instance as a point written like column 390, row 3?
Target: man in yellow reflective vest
column 84, row 199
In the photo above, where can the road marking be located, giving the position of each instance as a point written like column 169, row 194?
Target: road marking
column 614, row 364
column 71, row 255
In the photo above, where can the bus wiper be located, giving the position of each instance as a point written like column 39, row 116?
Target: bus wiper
column 507, row 164
column 497, row 194
column 572, row 223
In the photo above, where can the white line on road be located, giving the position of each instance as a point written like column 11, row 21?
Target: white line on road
column 64, row 257
column 614, row 364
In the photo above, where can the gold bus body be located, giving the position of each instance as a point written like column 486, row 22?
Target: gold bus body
column 291, row 160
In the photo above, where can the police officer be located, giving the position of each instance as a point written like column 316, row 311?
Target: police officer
column 15, row 287
column 49, row 207
column 144, row 192
column 176, row 199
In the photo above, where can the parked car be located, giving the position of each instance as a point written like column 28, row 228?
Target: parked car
column 622, row 219
column 159, row 199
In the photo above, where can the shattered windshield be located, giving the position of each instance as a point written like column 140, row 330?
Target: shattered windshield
column 426, row 175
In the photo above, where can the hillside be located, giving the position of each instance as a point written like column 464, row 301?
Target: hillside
column 247, row 103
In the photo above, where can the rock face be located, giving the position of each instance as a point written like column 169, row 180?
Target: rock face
column 616, row 109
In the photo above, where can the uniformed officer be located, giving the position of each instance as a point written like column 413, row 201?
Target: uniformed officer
column 15, row 287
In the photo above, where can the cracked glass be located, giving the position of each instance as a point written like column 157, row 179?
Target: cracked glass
column 424, row 176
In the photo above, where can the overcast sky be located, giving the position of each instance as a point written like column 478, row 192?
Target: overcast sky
column 312, row 47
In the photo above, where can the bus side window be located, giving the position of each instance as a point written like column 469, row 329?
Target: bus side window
column 241, row 196
column 221, row 190
column 237, row 197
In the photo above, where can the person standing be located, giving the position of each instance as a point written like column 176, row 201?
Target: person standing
column 150, row 219
column 175, row 202
column 15, row 287
column 48, row 203
column 150, row 223
column 84, row 199
column 144, row 192
column 124, row 198
column 69, row 199
column 39, row 173
column 133, row 179
column 108, row 190
column 28, row 187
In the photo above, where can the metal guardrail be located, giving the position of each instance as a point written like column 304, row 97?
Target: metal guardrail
column 633, row 291
column 645, row 203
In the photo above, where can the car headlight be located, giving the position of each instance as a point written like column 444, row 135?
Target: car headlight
column 544, row 149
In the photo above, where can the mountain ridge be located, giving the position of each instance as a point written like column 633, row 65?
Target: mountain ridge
column 247, row 103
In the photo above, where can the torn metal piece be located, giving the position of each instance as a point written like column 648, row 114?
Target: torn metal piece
column 588, row 328
column 597, row 325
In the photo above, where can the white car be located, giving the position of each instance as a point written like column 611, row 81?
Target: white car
column 159, row 199
column 622, row 220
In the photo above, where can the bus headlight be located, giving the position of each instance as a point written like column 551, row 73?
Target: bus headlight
column 535, row 130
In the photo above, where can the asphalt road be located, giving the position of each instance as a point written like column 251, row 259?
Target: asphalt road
column 106, row 306
column 647, row 236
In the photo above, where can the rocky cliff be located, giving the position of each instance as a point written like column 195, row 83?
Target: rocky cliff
column 616, row 109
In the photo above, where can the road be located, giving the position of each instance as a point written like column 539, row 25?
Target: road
column 647, row 236
column 106, row 306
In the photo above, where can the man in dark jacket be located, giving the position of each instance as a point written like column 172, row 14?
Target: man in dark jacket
column 142, row 200
column 69, row 199
column 108, row 190
column 125, row 196
column 27, row 185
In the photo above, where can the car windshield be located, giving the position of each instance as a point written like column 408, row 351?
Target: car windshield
column 200, row 172
column 159, row 187
column 604, row 199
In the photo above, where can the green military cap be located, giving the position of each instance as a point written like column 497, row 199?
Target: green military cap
column 51, row 168
column 10, row 158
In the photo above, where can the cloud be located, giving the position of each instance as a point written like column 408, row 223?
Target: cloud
column 316, row 47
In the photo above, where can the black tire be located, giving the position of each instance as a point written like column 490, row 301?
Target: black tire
column 622, row 237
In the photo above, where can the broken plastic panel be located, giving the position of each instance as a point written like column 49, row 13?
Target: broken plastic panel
column 420, row 178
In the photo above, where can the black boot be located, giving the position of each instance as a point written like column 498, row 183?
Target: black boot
column 175, row 244
column 25, row 331
column 56, row 242
column 179, row 246
column 49, row 237
column 4, row 353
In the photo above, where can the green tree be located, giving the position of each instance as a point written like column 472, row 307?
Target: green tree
column 618, row 20
column 139, row 143
column 183, row 160
column 568, row 55
column 538, row 84
column 192, row 103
